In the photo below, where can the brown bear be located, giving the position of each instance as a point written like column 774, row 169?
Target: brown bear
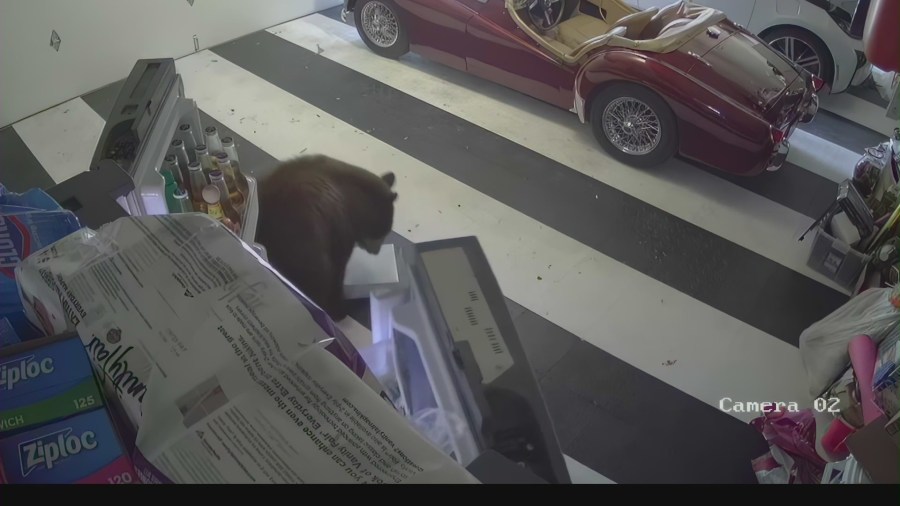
column 312, row 211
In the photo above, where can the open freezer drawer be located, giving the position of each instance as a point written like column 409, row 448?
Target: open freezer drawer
column 142, row 123
column 446, row 349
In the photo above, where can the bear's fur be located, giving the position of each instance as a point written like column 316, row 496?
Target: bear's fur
column 312, row 211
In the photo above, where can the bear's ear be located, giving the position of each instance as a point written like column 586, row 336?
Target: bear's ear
column 389, row 178
column 393, row 196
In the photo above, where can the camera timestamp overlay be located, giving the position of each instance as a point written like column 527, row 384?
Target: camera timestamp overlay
column 820, row 404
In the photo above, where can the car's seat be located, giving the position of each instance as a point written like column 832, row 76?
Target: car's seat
column 662, row 18
column 579, row 28
column 636, row 22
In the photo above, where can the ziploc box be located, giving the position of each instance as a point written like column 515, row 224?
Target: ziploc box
column 41, row 384
column 81, row 449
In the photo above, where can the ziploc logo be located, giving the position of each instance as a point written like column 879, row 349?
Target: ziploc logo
column 49, row 450
column 23, row 369
column 15, row 244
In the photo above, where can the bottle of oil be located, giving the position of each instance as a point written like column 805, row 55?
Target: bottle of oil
column 211, row 196
column 217, row 178
column 197, row 183
column 223, row 164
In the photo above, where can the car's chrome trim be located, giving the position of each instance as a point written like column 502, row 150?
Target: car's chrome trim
column 780, row 156
column 344, row 15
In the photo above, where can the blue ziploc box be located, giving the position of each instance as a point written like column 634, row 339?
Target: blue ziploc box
column 21, row 235
column 46, row 383
column 8, row 335
column 81, row 449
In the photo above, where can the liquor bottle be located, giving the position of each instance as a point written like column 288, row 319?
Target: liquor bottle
column 231, row 150
column 198, row 182
column 177, row 148
column 223, row 164
column 212, row 140
column 171, row 186
column 185, row 132
column 170, row 162
column 201, row 153
column 182, row 201
column 217, row 178
column 212, row 198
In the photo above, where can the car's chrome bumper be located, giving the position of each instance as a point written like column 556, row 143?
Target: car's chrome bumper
column 344, row 14
column 779, row 157
column 809, row 112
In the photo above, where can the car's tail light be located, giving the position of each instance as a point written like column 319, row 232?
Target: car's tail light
column 818, row 83
column 778, row 136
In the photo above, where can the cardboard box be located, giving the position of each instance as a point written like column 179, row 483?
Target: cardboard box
column 877, row 451
column 81, row 449
column 45, row 380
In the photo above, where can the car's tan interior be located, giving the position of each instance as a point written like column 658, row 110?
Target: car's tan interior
column 655, row 30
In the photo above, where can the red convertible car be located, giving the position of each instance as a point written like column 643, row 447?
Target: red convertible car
column 652, row 83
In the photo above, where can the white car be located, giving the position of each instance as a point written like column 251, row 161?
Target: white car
column 816, row 34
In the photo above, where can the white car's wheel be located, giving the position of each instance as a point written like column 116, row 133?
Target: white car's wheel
column 804, row 49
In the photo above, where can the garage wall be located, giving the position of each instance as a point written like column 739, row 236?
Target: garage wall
column 101, row 39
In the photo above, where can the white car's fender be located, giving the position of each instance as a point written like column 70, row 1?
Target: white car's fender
column 768, row 14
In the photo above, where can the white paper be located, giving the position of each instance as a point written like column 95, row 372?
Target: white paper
column 218, row 363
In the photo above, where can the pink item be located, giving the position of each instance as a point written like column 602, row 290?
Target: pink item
column 834, row 439
column 863, row 354
column 795, row 434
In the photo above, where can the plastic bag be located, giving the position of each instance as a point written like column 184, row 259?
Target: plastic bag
column 792, row 441
column 823, row 345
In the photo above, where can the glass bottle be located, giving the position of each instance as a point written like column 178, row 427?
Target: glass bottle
column 177, row 148
column 231, row 150
column 198, row 182
column 185, row 132
column 201, row 153
column 217, row 178
column 182, row 201
column 170, row 163
column 170, row 187
column 213, row 143
column 223, row 164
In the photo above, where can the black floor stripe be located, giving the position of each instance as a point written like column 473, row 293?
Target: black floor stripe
column 843, row 132
column 599, row 423
column 793, row 187
column 620, row 421
column 733, row 279
column 19, row 169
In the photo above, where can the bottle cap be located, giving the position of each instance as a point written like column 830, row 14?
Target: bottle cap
column 200, row 148
column 176, row 143
column 211, row 194
column 170, row 158
column 184, row 126
column 195, row 165
column 221, row 157
column 227, row 141
column 180, row 193
column 210, row 130
column 216, row 175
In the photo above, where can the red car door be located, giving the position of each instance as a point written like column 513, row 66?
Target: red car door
column 499, row 51
column 437, row 29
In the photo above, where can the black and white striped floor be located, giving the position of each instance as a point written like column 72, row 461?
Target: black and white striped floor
column 642, row 297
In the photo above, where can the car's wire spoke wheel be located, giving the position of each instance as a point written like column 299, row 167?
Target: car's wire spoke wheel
column 798, row 52
column 379, row 24
column 631, row 126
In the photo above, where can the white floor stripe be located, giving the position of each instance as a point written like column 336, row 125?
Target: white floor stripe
column 859, row 111
column 687, row 192
column 822, row 157
column 63, row 138
column 622, row 311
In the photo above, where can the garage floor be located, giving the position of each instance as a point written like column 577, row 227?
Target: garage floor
column 642, row 297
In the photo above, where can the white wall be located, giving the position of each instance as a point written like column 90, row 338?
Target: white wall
column 101, row 40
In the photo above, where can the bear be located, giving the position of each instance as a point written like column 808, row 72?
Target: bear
column 313, row 210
